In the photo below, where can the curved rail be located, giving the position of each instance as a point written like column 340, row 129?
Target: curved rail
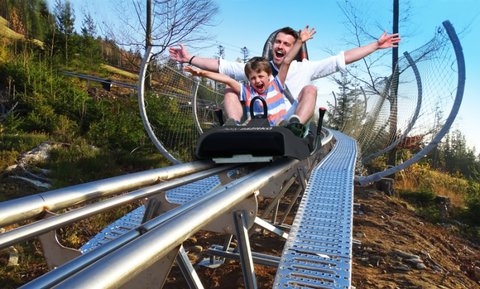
column 143, row 112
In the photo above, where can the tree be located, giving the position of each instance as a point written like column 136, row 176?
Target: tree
column 90, row 47
column 348, row 108
column 65, row 20
column 173, row 22
column 88, row 26
column 453, row 156
column 221, row 52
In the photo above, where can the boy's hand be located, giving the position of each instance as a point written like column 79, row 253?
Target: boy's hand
column 306, row 34
column 193, row 71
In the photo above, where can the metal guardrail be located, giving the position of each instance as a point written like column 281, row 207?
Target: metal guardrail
column 318, row 251
column 106, row 83
column 20, row 209
column 180, row 195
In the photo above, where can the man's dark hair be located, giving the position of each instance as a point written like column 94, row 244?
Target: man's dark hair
column 257, row 64
column 289, row 31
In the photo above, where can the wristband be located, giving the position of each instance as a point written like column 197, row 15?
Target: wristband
column 190, row 61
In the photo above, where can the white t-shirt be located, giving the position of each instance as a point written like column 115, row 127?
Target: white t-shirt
column 299, row 74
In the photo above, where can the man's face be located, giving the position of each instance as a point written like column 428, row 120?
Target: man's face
column 259, row 81
column 283, row 43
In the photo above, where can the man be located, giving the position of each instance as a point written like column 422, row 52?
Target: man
column 300, row 74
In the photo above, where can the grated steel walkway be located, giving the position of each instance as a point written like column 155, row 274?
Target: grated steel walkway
column 180, row 195
column 318, row 250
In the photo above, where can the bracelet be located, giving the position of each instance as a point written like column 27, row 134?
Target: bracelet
column 190, row 61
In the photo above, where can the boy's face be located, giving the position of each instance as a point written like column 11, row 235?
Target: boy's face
column 283, row 43
column 259, row 81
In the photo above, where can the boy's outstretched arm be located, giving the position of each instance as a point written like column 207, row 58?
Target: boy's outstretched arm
column 225, row 79
column 181, row 55
column 304, row 35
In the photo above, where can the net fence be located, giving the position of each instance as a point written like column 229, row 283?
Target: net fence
column 178, row 108
column 409, row 108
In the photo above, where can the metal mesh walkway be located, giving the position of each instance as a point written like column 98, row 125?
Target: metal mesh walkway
column 319, row 247
column 180, row 195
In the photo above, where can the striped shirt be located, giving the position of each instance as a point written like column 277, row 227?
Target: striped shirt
column 273, row 96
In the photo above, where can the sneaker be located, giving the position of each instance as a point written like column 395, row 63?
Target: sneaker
column 231, row 122
column 294, row 119
column 282, row 123
column 295, row 126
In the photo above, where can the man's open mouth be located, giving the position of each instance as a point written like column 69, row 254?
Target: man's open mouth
column 279, row 54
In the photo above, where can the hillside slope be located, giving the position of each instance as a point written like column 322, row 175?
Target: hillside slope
column 400, row 250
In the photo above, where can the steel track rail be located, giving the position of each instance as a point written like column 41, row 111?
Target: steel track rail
column 21, row 209
column 34, row 229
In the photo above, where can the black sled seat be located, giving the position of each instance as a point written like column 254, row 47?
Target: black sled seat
column 252, row 143
column 257, row 141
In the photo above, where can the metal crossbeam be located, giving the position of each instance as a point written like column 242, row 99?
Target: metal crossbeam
column 318, row 251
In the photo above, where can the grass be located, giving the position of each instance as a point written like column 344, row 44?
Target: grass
column 119, row 71
column 419, row 185
column 421, row 178
column 6, row 32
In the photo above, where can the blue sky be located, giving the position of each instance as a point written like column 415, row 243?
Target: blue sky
column 248, row 23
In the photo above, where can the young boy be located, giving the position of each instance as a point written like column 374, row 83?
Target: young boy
column 262, row 83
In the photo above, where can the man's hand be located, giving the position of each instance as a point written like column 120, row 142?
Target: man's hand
column 305, row 34
column 387, row 41
column 179, row 54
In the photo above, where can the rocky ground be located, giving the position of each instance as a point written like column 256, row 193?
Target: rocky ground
column 400, row 250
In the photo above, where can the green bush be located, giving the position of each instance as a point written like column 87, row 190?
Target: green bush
column 120, row 130
column 21, row 142
column 80, row 163
column 422, row 198
column 471, row 214
column 11, row 124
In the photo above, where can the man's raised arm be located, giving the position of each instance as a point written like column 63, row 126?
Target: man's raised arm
column 181, row 54
column 385, row 41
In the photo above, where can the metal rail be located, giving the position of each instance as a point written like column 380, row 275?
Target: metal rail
column 20, row 209
column 34, row 229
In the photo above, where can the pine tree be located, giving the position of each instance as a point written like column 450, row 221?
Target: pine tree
column 348, row 110
column 65, row 20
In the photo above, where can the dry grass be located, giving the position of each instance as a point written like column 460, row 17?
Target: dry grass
column 419, row 177
column 6, row 32
column 119, row 71
column 9, row 33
